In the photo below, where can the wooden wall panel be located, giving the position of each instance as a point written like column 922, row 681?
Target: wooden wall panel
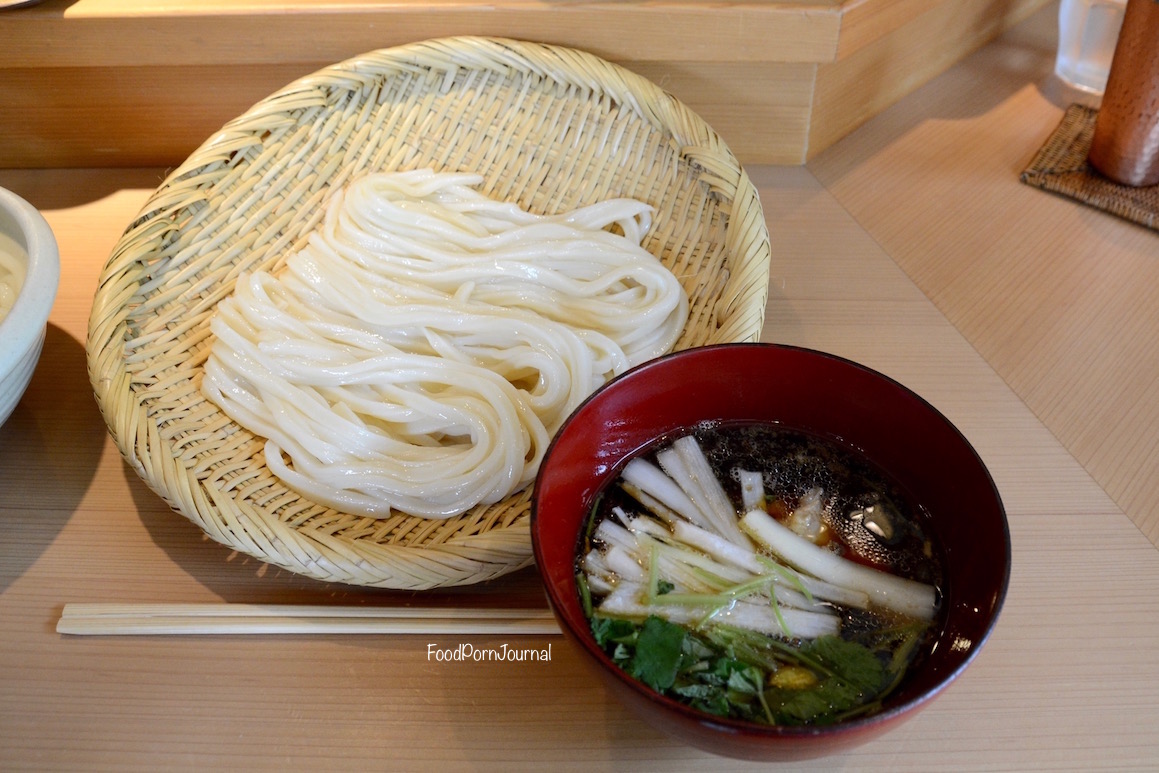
column 144, row 82
column 884, row 66
column 156, row 116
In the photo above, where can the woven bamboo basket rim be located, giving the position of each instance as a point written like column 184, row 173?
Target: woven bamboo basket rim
column 548, row 127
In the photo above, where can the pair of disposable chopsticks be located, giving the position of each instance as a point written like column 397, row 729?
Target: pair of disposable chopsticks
column 161, row 619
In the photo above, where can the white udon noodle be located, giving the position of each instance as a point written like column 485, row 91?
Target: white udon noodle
column 420, row 351
column 11, row 273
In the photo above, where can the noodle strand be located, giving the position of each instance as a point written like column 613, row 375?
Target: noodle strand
column 420, row 351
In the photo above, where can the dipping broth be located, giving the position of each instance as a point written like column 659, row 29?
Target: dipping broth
column 796, row 587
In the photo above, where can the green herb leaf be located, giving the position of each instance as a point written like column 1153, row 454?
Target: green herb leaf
column 622, row 655
column 698, row 690
column 696, row 650
column 748, row 680
column 658, row 653
column 854, row 675
column 713, row 701
column 723, row 671
column 612, row 630
column 851, row 662
column 798, row 707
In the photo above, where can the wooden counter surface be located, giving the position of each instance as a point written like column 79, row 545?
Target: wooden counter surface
column 910, row 246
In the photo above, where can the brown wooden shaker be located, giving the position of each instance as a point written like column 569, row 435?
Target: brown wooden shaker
column 1125, row 145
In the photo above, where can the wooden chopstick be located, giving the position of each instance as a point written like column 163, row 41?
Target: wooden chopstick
column 161, row 619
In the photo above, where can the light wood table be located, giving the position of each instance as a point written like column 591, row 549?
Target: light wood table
column 910, row 246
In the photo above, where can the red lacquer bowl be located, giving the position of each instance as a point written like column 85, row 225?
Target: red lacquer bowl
column 809, row 391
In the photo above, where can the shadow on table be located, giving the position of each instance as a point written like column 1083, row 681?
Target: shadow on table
column 56, row 189
column 51, row 446
column 235, row 577
column 981, row 82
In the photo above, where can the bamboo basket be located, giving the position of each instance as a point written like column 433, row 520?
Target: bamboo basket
column 549, row 128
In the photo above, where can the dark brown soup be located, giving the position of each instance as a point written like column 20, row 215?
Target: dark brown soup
column 795, row 587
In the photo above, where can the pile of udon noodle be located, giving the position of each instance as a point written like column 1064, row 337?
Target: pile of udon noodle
column 419, row 352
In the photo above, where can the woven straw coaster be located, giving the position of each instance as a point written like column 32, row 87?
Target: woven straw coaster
column 1061, row 167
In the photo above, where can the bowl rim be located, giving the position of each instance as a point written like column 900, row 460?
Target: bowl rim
column 26, row 320
column 879, row 719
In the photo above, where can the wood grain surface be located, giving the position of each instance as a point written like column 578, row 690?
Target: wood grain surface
column 141, row 83
column 910, row 246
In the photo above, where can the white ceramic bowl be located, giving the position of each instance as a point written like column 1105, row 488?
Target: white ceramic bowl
column 22, row 331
